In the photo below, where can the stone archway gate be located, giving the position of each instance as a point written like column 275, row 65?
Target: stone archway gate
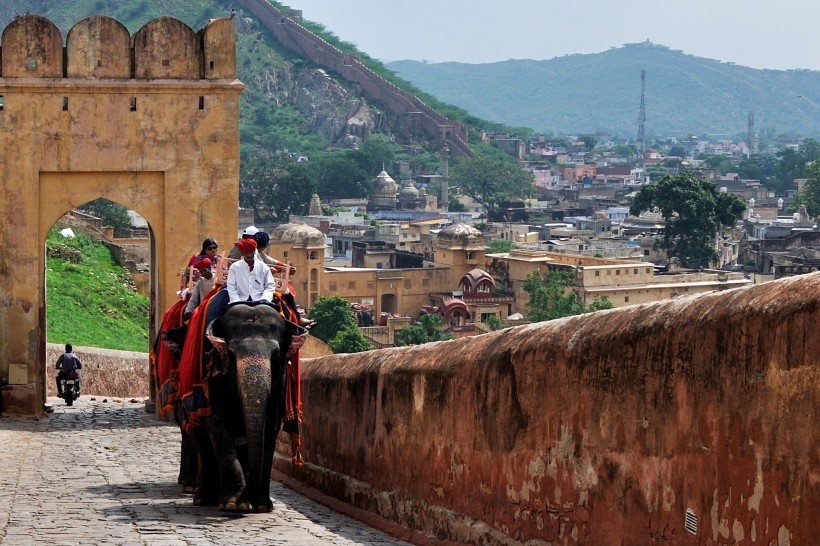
column 150, row 121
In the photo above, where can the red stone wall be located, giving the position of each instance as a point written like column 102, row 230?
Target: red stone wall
column 598, row 429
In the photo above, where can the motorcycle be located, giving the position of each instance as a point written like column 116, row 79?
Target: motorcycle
column 71, row 390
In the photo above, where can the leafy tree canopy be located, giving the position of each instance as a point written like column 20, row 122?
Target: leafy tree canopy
column 112, row 215
column 491, row 181
column 274, row 188
column 793, row 163
column 350, row 340
column 693, row 210
column 374, row 154
column 497, row 246
column 426, row 329
column 552, row 297
column 339, row 177
column 332, row 315
column 810, row 194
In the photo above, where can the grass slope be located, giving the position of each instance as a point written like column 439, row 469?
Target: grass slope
column 90, row 299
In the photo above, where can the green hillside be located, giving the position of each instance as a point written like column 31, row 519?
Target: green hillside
column 601, row 92
column 274, row 114
column 91, row 301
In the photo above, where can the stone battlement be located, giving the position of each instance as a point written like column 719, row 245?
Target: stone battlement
column 101, row 47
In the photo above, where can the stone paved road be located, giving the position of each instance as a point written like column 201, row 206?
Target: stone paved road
column 105, row 473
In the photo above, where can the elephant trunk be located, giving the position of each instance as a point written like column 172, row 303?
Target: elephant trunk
column 254, row 382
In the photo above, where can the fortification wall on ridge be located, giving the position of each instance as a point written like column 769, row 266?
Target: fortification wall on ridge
column 310, row 46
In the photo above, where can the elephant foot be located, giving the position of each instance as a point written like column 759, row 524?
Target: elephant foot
column 189, row 489
column 204, row 499
column 263, row 507
column 233, row 506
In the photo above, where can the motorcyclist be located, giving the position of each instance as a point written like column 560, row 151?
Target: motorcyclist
column 68, row 362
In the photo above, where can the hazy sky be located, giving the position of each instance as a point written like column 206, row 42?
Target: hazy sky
column 777, row 34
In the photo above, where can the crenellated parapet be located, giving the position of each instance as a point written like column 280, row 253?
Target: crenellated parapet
column 101, row 47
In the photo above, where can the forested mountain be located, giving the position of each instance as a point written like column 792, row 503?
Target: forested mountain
column 601, row 92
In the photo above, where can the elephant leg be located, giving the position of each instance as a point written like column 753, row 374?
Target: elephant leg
column 188, row 457
column 188, row 463
column 207, row 490
column 230, row 473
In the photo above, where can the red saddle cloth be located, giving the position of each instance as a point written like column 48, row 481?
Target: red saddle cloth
column 193, row 377
column 165, row 365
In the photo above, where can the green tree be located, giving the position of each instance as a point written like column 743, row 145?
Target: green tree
column 810, row 194
column 656, row 172
column 625, row 150
column 498, row 246
column 293, row 191
column 763, row 168
column 678, row 151
column 793, row 163
column 350, row 340
column 339, row 177
column 719, row 162
column 274, row 188
column 491, row 181
column 426, row 329
column 589, row 142
column 112, row 215
column 332, row 315
column 494, row 323
column 599, row 303
column 374, row 154
column 551, row 296
column 693, row 210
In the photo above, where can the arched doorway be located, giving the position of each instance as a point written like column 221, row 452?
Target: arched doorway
column 98, row 290
column 112, row 116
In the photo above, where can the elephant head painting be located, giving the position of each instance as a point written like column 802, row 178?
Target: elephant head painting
column 244, row 381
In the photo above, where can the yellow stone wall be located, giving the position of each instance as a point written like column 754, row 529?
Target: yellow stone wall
column 165, row 144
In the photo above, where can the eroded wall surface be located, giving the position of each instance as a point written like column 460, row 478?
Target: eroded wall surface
column 149, row 121
column 599, row 429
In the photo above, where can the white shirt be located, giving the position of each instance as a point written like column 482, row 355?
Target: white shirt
column 243, row 283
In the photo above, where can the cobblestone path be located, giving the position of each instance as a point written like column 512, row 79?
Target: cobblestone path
column 104, row 472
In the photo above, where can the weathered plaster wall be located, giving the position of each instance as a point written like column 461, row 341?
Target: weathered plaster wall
column 159, row 135
column 598, row 429
column 105, row 372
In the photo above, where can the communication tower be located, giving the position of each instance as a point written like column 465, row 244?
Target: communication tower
column 750, row 139
column 641, row 123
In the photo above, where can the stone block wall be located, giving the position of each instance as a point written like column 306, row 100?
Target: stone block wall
column 689, row 421
column 105, row 372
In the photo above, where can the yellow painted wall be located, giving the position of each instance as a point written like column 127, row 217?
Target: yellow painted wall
column 166, row 146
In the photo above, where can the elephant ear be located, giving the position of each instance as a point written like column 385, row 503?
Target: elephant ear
column 219, row 354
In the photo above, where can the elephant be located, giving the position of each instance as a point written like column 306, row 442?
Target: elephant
column 246, row 392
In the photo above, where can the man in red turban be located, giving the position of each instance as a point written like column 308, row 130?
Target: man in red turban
column 249, row 279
